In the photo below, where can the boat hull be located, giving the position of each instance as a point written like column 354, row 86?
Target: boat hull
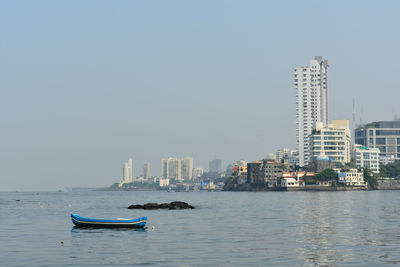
column 104, row 223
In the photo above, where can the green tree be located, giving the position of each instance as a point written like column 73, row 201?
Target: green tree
column 391, row 170
column 327, row 175
column 371, row 178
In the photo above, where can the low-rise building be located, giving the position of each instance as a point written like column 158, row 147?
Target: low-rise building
column 324, row 183
column 351, row 177
column 291, row 182
column 207, row 185
column 164, row 182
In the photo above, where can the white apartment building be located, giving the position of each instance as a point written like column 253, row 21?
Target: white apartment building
column 352, row 177
column 127, row 172
column 174, row 168
column 366, row 157
column 311, row 84
column 332, row 141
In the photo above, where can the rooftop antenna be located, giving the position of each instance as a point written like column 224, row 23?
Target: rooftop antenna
column 354, row 118
column 361, row 113
column 354, row 114
column 395, row 117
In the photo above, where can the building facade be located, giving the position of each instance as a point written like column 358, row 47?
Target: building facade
column 351, row 177
column 174, row 168
column 287, row 156
column 366, row 157
column 384, row 135
column 321, row 163
column 265, row 173
column 187, row 168
column 146, row 171
column 127, row 172
column 254, row 173
column 311, row 84
column 332, row 141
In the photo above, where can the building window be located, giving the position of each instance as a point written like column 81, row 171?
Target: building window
column 387, row 132
column 391, row 141
column 380, row 141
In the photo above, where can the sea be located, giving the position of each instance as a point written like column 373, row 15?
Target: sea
column 226, row 229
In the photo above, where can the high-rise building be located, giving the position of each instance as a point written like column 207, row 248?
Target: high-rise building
column 215, row 165
column 127, row 172
column 384, row 135
column 164, row 168
column 311, row 84
column 146, row 171
column 187, row 168
column 332, row 141
column 174, row 168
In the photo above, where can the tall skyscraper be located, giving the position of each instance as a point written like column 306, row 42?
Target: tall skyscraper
column 215, row 165
column 187, row 168
column 127, row 172
column 311, row 83
column 146, row 171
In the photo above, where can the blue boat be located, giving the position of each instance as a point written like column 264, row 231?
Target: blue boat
column 122, row 223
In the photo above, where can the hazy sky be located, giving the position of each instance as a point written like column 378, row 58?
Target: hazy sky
column 87, row 84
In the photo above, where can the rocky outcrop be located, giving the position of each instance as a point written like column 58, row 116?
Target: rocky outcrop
column 172, row 206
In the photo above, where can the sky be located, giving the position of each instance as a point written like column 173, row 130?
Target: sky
column 85, row 85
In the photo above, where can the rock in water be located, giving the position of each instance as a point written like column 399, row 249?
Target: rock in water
column 164, row 206
column 172, row 206
column 135, row 207
column 181, row 205
column 150, row 206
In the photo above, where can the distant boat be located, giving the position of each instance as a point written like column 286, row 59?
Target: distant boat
column 91, row 222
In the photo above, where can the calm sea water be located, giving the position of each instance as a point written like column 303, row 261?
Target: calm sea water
column 226, row 229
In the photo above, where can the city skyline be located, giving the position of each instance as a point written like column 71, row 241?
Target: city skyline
column 149, row 81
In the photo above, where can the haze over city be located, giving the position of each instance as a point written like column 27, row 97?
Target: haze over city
column 84, row 89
